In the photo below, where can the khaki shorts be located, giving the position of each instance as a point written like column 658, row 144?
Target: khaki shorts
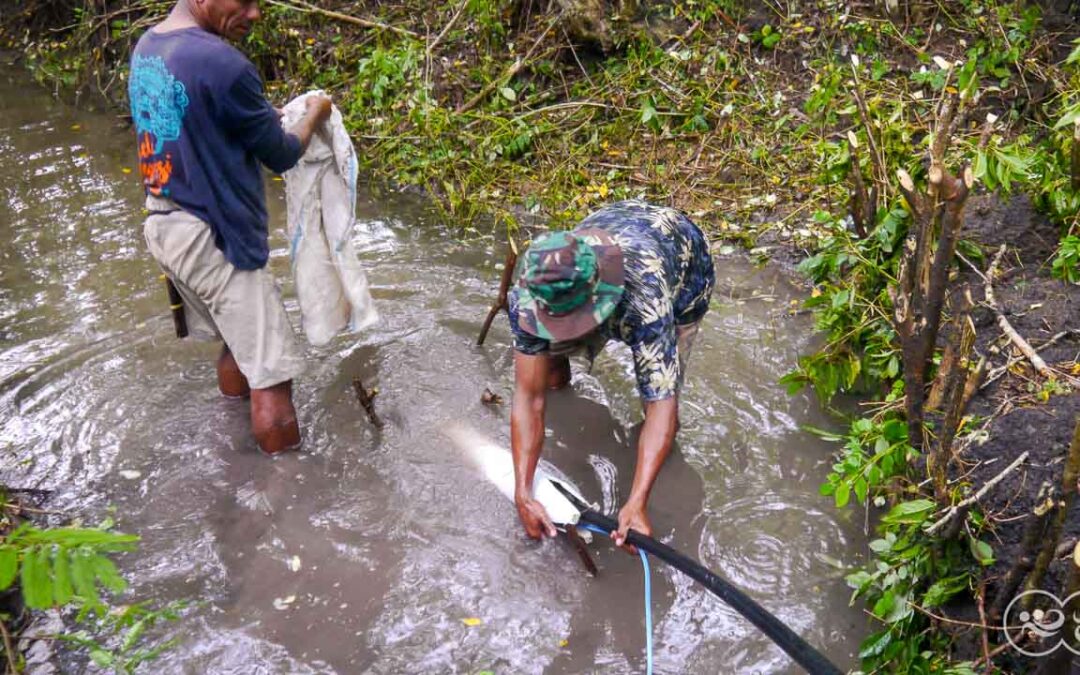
column 241, row 307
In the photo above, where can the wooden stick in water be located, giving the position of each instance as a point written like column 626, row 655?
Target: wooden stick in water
column 367, row 399
column 176, row 306
column 504, row 290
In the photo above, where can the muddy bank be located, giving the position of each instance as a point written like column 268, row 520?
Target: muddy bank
column 1019, row 411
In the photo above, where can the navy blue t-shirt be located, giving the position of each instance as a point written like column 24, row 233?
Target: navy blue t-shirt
column 203, row 125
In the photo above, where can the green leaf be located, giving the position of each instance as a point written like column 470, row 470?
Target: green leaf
column 102, row 658
column 943, row 589
column 508, row 93
column 885, row 604
column 982, row 552
column 880, row 546
column 9, row 566
column 133, row 635
column 843, row 495
column 875, row 644
column 1069, row 118
column 860, row 487
column 106, row 574
column 82, row 574
column 648, row 112
column 36, row 585
column 915, row 511
column 63, row 591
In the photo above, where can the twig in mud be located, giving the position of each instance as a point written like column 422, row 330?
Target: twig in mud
column 996, row 373
column 1006, row 327
column 504, row 290
column 963, row 507
column 303, row 6
column 367, row 400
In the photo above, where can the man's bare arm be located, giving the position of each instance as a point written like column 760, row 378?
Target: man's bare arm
column 527, row 439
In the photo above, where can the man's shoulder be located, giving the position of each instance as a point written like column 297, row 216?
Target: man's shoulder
column 195, row 50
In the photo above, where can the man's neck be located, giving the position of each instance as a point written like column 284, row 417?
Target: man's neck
column 180, row 17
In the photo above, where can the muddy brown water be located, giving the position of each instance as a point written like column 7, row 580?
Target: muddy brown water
column 396, row 539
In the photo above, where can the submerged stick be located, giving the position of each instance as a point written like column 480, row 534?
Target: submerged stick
column 367, row 400
column 504, row 290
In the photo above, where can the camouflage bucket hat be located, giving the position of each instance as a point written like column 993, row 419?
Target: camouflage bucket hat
column 569, row 283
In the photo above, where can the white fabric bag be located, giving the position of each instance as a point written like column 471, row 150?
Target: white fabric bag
column 320, row 194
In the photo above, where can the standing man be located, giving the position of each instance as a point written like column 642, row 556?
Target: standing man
column 631, row 272
column 204, row 126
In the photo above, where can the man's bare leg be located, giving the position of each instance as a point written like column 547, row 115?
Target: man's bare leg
column 558, row 372
column 273, row 418
column 231, row 382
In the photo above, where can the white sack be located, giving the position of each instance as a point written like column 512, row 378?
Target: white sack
column 320, row 193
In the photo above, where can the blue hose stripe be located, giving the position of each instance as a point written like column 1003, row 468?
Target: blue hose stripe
column 648, row 597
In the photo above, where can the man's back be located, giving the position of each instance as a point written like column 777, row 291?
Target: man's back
column 668, row 280
column 203, row 125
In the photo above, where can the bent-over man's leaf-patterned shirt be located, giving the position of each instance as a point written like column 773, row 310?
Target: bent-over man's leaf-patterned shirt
column 669, row 280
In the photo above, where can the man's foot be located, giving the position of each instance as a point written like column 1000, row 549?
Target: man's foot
column 231, row 382
column 273, row 419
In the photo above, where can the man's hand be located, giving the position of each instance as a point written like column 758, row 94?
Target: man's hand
column 318, row 108
column 631, row 516
column 534, row 517
column 316, row 111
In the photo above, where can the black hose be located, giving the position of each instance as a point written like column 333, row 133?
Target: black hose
column 798, row 649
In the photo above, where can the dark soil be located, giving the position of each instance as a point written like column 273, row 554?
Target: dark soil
column 1020, row 418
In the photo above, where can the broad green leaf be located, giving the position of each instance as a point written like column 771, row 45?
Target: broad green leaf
column 982, row 552
column 1069, row 118
column 36, row 585
column 875, row 644
column 9, row 566
column 843, row 495
column 860, row 489
column 880, row 546
column 508, row 93
column 914, row 511
column 943, row 589
column 648, row 112
column 884, row 606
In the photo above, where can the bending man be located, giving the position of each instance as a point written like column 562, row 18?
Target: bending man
column 204, row 126
column 630, row 272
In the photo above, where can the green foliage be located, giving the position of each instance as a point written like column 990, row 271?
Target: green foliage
column 120, row 640
column 874, row 452
column 70, row 567
column 1067, row 260
column 57, row 566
